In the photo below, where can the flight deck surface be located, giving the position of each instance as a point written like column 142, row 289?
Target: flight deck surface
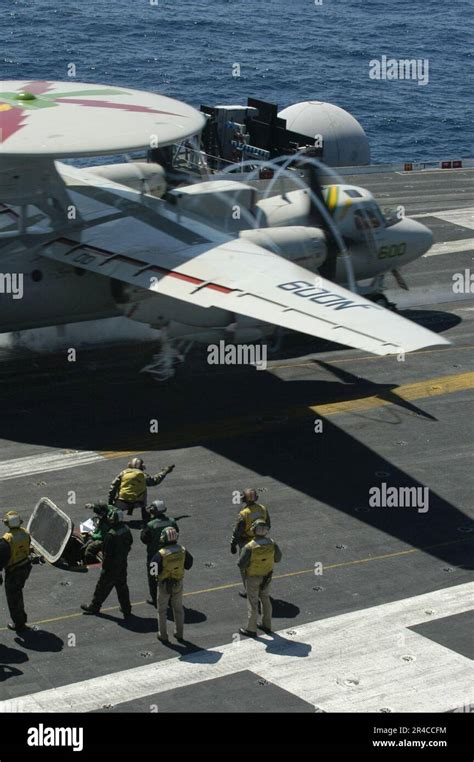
column 385, row 626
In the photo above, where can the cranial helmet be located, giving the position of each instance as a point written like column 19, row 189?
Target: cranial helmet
column 157, row 506
column 259, row 528
column 137, row 463
column 169, row 536
column 250, row 495
column 12, row 519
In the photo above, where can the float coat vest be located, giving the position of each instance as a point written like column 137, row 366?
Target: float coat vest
column 262, row 557
column 250, row 514
column 19, row 542
column 172, row 557
column 132, row 485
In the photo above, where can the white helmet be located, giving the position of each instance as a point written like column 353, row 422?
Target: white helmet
column 157, row 506
column 12, row 519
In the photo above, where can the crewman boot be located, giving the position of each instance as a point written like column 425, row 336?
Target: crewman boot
column 247, row 633
column 88, row 608
column 16, row 627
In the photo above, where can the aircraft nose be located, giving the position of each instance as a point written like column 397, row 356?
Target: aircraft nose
column 418, row 236
column 424, row 238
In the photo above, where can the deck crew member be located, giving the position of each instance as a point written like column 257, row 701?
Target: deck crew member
column 256, row 562
column 242, row 533
column 169, row 565
column 95, row 543
column 151, row 537
column 15, row 546
column 129, row 488
column 117, row 544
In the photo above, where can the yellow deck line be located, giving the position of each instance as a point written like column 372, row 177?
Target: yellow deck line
column 343, row 564
column 228, row 427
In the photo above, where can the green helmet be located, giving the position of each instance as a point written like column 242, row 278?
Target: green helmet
column 114, row 515
column 101, row 509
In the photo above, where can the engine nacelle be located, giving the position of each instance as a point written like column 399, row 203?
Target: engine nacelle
column 138, row 175
column 304, row 245
column 278, row 211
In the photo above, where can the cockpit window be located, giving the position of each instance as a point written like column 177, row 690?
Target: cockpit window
column 391, row 216
column 367, row 218
column 352, row 193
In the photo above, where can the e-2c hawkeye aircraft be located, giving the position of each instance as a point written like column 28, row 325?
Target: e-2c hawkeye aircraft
column 219, row 258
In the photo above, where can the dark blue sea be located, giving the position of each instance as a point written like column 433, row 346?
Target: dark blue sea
column 288, row 51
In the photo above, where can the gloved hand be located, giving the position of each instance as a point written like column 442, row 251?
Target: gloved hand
column 233, row 548
column 169, row 468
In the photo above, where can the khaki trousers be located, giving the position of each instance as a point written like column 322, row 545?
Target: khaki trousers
column 252, row 585
column 170, row 592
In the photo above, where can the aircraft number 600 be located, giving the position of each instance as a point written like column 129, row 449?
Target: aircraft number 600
column 395, row 250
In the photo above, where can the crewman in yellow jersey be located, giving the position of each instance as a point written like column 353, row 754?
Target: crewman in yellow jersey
column 168, row 566
column 129, row 488
column 242, row 531
column 256, row 562
column 15, row 547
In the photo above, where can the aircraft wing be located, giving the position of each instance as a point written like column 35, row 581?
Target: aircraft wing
column 177, row 261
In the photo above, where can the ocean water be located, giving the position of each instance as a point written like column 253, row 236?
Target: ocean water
column 287, row 52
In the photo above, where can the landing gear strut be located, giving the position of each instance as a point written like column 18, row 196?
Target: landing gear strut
column 163, row 364
column 382, row 301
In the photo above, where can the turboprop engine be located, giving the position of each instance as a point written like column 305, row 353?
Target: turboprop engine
column 304, row 245
column 138, row 175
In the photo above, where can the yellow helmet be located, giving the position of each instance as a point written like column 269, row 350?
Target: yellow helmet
column 12, row 519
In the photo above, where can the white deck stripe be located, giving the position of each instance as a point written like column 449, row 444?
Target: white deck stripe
column 45, row 462
column 463, row 216
column 450, row 247
column 313, row 662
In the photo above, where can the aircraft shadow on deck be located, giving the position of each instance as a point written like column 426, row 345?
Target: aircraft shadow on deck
column 334, row 468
